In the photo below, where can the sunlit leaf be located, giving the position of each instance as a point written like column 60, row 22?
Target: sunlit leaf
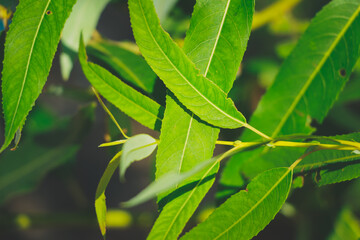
column 179, row 74
column 136, row 148
column 83, row 19
column 165, row 183
column 127, row 99
column 100, row 199
column 28, row 58
column 186, row 140
column 128, row 65
column 309, row 80
column 246, row 213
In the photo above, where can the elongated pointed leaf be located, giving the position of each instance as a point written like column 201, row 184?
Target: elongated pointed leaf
column 135, row 149
column 217, row 38
column 83, row 19
column 185, row 140
column 315, row 72
column 128, row 65
column 177, row 71
column 246, row 213
column 309, row 80
column 29, row 49
column 141, row 108
column 328, row 166
column 165, row 183
column 100, row 199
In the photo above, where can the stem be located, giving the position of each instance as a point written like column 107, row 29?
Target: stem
column 248, row 126
column 301, row 158
column 322, row 146
column 114, row 143
column 108, row 112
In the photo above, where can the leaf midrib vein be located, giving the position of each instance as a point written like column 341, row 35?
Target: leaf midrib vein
column 182, row 76
column 27, row 68
column 192, row 116
column 315, row 72
column 257, row 204
column 127, row 98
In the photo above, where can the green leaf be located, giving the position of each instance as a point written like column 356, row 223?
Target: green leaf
column 328, row 166
column 313, row 75
column 170, row 63
column 128, row 65
column 347, row 226
column 83, row 19
column 163, row 8
column 332, row 160
column 141, row 108
column 217, row 38
column 167, row 182
column 28, row 58
column 246, row 213
column 309, row 81
column 136, row 148
column 100, row 199
column 185, row 140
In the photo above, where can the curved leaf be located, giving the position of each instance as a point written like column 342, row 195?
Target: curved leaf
column 246, row 213
column 83, row 19
column 217, row 38
column 29, row 49
column 169, row 62
column 309, row 80
column 100, row 199
column 128, row 65
column 185, row 140
column 141, row 108
column 136, row 148
column 167, row 182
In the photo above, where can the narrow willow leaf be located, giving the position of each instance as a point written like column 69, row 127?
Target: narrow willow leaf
column 246, row 213
column 136, row 148
column 347, row 226
column 128, row 65
column 170, row 63
column 217, row 38
column 141, row 108
column 83, row 19
column 329, row 166
column 185, row 140
column 328, row 159
column 163, row 8
column 28, row 58
column 165, row 183
column 309, row 80
column 313, row 75
column 100, row 199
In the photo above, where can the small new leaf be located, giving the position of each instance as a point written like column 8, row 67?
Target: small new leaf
column 136, row 148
